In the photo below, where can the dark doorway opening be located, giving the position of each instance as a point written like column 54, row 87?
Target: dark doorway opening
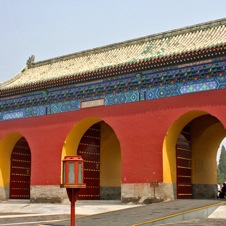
column 20, row 171
column 89, row 149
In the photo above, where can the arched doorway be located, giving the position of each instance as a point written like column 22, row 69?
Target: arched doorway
column 99, row 147
column 20, row 170
column 189, row 155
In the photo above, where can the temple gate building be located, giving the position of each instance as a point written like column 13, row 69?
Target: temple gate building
column 142, row 113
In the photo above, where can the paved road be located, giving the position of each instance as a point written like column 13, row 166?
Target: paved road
column 120, row 215
column 142, row 215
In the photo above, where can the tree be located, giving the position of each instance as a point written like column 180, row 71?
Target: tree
column 221, row 169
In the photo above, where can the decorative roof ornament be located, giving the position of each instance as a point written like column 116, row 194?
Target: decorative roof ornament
column 30, row 61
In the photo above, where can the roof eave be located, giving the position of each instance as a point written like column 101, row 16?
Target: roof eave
column 129, row 67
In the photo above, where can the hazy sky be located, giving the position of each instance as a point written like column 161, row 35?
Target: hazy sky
column 51, row 28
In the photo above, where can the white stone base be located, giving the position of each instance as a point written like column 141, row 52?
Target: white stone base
column 48, row 194
column 137, row 192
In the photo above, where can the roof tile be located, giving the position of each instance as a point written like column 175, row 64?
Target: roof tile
column 165, row 44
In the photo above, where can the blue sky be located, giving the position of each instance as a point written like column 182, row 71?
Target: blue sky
column 51, row 28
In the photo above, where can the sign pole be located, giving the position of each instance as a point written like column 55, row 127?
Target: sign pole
column 154, row 184
column 72, row 207
column 73, row 196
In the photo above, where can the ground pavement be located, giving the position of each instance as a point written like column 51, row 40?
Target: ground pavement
column 109, row 213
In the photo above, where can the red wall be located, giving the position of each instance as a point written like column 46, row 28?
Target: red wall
column 140, row 128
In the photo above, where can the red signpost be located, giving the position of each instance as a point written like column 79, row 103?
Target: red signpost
column 73, row 178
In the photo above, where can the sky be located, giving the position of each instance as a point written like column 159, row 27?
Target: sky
column 53, row 28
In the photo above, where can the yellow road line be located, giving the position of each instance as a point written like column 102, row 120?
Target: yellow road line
column 178, row 214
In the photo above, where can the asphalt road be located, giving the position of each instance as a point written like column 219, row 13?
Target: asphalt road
column 134, row 216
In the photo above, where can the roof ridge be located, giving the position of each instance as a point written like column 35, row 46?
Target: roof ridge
column 143, row 39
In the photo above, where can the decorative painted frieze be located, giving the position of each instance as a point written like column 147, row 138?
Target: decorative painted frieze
column 146, row 85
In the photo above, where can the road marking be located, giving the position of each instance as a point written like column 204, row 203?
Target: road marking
column 178, row 214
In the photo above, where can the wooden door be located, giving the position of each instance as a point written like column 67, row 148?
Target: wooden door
column 20, row 171
column 183, row 161
column 89, row 149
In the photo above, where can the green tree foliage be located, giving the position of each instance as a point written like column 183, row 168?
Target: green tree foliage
column 221, row 169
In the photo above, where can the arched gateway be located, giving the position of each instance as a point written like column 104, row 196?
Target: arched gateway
column 190, row 149
column 99, row 147
column 20, row 170
column 141, row 112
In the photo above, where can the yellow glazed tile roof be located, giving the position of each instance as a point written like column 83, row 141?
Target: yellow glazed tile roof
column 193, row 38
